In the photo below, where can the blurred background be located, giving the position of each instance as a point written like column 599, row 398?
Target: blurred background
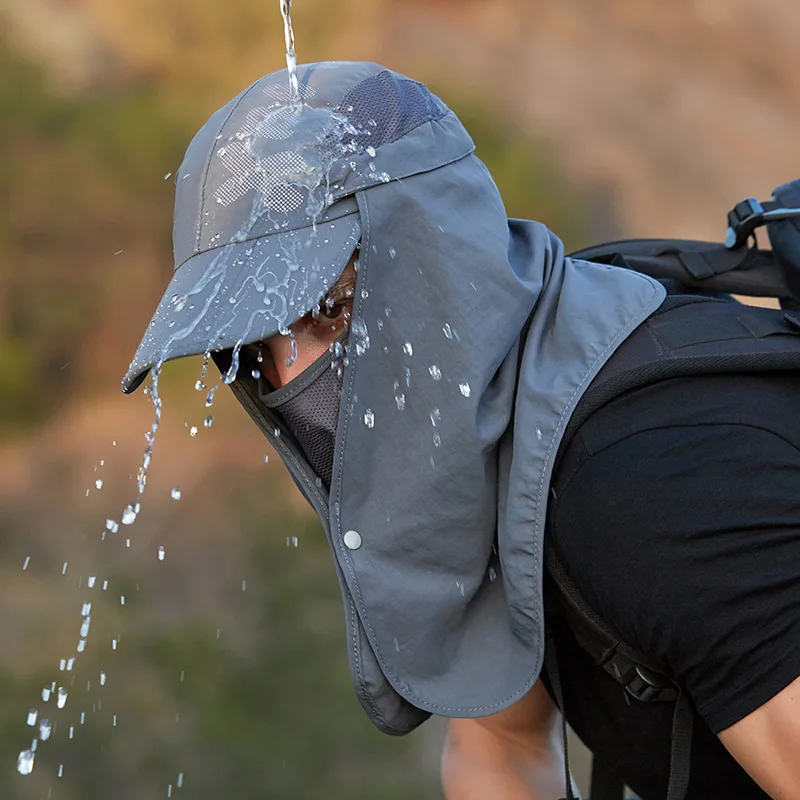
column 216, row 663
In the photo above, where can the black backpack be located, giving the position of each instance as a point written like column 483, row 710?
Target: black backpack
column 697, row 331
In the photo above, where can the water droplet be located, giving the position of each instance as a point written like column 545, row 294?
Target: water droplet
column 193, row 431
column 360, row 336
column 465, row 389
column 256, row 374
column 98, row 483
column 112, row 525
column 64, row 569
column 45, row 729
column 90, row 581
column 539, row 434
column 436, row 416
column 435, row 372
column 46, row 693
column 87, row 621
column 122, row 600
column 266, row 459
column 25, row 762
column 208, row 422
column 369, row 418
column 176, row 493
column 81, row 645
column 400, row 400
column 448, row 332
column 392, row 253
column 277, row 433
column 61, row 700
column 102, row 679
column 128, row 516
column 408, row 349
column 199, row 386
column 32, row 717
column 86, row 609
column 180, row 780
column 210, row 398
column 460, row 587
column 437, row 439
column 167, row 176
column 161, row 553
column 27, row 561
column 60, row 770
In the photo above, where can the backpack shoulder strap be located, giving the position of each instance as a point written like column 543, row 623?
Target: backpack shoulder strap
column 642, row 678
column 688, row 335
column 693, row 335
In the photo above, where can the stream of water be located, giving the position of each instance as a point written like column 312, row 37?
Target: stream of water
column 291, row 55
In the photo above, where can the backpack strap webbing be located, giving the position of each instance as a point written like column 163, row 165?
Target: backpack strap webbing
column 641, row 677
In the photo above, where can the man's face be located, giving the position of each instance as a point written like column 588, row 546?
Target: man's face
column 283, row 358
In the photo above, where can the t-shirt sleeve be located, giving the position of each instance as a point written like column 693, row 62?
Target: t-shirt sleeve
column 686, row 539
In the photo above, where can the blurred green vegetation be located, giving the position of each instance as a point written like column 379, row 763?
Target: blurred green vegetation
column 263, row 712
column 79, row 180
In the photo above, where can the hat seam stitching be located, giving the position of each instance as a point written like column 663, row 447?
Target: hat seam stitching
column 207, row 168
column 257, row 238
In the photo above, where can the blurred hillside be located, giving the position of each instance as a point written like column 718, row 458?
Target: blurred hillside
column 599, row 118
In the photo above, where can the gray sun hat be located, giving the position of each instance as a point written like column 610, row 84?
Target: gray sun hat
column 266, row 216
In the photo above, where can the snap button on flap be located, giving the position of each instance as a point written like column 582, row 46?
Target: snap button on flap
column 352, row 540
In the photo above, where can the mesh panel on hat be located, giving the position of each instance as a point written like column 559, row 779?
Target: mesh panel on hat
column 385, row 108
column 312, row 417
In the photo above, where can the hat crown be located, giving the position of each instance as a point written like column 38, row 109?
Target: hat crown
column 265, row 164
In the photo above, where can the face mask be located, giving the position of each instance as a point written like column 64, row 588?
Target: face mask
column 309, row 405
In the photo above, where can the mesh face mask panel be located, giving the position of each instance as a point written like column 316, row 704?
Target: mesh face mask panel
column 312, row 416
column 385, row 108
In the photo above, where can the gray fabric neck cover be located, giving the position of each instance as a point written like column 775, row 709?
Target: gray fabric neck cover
column 473, row 339
column 309, row 406
column 482, row 338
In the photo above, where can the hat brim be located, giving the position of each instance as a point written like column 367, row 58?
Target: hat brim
column 243, row 292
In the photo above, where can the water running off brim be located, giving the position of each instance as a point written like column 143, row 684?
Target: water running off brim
column 291, row 55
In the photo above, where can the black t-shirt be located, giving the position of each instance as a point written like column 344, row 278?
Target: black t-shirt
column 677, row 513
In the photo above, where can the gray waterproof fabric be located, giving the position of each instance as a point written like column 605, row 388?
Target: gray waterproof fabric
column 482, row 338
column 473, row 338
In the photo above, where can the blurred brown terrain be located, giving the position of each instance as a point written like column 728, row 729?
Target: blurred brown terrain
column 226, row 662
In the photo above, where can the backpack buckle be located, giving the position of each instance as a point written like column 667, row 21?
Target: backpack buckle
column 743, row 219
column 750, row 214
column 648, row 686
